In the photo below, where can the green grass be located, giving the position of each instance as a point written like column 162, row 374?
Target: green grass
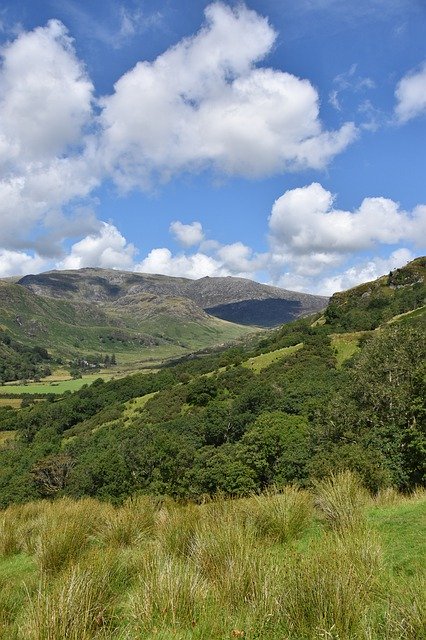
column 57, row 387
column 266, row 567
column 345, row 346
column 133, row 407
column 402, row 527
column 15, row 403
column 5, row 436
column 263, row 361
column 402, row 317
column 15, row 568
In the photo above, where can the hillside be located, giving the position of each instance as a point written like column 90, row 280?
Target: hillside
column 367, row 306
column 289, row 405
column 136, row 328
column 139, row 317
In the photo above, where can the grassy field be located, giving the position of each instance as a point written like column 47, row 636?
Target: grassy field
column 332, row 563
column 5, row 436
column 133, row 407
column 10, row 402
column 46, row 386
column 345, row 345
column 263, row 361
column 416, row 313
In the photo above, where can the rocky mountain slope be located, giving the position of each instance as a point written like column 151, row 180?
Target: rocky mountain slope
column 236, row 299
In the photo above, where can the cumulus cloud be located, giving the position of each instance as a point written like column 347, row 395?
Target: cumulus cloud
column 311, row 239
column 107, row 249
column 204, row 103
column 17, row 263
column 197, row 265
column 411, row 95
column 364, row 272
column 226, row 260
column 187, row 234
column 304, row 222
column 45, row 105
column 211, row 259
column 45, row 95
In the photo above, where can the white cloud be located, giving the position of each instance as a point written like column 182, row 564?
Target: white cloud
column 304, row 222
column 203, row 103
column 310, row 239
column 194, row 266
column 411, row 95
column 211, row 259
column 348, row 81
column 17, row 263
column 187, row 234
column 107, row 249
column 364, row 272
column 45, row 104
column 45, row 95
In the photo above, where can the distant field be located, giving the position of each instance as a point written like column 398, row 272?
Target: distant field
column 10, row 402
column 51, row 386
column 258, row 363
column 5, row 436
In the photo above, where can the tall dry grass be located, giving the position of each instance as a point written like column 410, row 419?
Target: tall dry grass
column 341, row 499
column 262, row 567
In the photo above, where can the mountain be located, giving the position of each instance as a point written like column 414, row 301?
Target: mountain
column 140, row 316
column 238, row 300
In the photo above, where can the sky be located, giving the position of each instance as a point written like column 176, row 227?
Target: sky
column 275, row 140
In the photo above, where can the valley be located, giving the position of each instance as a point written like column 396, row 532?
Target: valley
column 186, row 499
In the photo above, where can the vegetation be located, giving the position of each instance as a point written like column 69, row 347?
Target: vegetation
column 237, row 430
column 247, row 492
column 369, row 305
column 85, row 328
column 21, row 362
column 268, row 566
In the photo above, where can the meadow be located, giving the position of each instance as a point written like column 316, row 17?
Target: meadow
column 330, row 562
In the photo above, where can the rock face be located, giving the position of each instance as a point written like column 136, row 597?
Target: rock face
column 234, row 299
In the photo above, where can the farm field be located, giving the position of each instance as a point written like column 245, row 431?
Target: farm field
column 46, row 386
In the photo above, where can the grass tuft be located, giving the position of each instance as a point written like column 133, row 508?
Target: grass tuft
column 341, row 500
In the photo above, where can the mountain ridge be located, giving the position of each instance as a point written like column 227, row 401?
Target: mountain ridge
column 214, row 295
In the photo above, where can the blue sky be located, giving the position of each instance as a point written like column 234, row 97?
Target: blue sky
column 277, row 140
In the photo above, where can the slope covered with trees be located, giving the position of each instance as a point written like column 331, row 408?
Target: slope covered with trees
column 235, row 421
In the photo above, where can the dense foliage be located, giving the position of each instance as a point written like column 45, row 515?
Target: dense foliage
column 21, row 362
column 212, row 424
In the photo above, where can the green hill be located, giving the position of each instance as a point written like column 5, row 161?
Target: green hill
column 90, row 313
column 139, row 329
column 367, row 306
